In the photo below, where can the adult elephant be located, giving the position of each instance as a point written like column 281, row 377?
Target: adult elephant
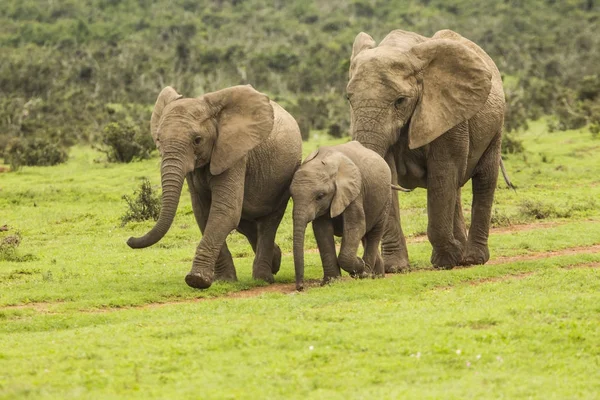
column 434, row 109
column 238, row 152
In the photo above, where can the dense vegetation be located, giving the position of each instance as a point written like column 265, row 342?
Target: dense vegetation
column 70, row 67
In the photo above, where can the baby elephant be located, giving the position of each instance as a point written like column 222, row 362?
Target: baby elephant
column 345, row 191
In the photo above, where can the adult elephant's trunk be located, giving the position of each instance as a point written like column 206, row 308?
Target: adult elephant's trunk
column 172, row 176
column 373, row 134
column 299, row 231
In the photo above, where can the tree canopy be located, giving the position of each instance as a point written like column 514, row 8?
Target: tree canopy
column 70, row 67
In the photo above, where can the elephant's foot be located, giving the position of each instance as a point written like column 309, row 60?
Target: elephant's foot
column 355, row 266
column 198, row 281
column 329, row 278
column 476, row 255
column 276, row 263
column 395, row 262
column 448, row 257
column 225, row 272
column 263, row 274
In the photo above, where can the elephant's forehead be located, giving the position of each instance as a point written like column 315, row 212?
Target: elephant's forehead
column 313, row 172
column 186, row 108
column 382, row 72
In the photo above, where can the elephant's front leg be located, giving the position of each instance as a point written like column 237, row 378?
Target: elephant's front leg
column 225, row 212
column 323, row 230
column 442, row 185
column 353, row 233
column 224, row 268
column 393, row 243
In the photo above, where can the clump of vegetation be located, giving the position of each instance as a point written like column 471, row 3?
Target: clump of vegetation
column 8, row 247
column 34, row 152
column 124, row 143
column 144, row 206
column 540, row 210
column 512, row 145
column 500, row 219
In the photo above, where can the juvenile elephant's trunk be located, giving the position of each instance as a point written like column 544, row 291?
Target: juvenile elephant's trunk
column 172, row 176
column 299, row 231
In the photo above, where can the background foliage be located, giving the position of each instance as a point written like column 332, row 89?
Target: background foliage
column 69, row 68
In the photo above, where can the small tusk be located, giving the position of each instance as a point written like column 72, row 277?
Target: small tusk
column 400, row 188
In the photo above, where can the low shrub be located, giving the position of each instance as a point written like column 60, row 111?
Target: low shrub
column 512, row 145
column 143, row 207
column 33, row 152
column 124, row 143
column 8, row 247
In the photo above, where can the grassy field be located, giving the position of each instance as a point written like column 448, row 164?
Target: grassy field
column 84, row 316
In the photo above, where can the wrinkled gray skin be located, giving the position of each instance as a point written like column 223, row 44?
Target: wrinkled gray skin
column 345, row 191
column 238, row 152
column 434, row 109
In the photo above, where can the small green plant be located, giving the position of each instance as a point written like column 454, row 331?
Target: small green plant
column 144, row 207
column 8, row 248
column 124, row 143
column 34, row 152
column 500, row 219
column 512, row 145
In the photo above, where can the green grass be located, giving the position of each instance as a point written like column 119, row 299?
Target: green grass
column 79, row 317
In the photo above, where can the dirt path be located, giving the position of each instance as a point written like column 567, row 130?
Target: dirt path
column 289, row 288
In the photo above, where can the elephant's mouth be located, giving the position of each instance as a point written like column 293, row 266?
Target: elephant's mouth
column 200, row 162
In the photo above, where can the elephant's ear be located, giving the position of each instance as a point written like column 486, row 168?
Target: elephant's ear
column 456, row 84
column 347, row 184
column 244, row 119
column 362, row 42
column 166, row 96
column 311, row 156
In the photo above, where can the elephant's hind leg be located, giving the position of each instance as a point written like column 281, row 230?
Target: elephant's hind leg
column 373, row 262
column 267, row 252
column 484, row 186
column 250, row 230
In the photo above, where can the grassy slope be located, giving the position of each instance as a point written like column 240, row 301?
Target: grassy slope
column 536, row 333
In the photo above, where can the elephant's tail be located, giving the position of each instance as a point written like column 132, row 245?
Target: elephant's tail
column 505, row 175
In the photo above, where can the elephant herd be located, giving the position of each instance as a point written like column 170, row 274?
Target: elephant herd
column 425, row 112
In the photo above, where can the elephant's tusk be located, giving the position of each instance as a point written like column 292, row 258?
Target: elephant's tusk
column 400, row 188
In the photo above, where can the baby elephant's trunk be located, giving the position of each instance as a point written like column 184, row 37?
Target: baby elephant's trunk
column 299, row 231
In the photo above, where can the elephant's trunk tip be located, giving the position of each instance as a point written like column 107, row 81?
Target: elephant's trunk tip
column 134, row 243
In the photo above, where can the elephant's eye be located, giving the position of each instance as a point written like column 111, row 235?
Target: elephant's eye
column 320, row 196
column 198, row 140
column 399, row 101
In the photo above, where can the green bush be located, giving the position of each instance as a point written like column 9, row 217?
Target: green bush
column 145, row 206
column 33, row 152
column 511, row 145
column 8, row 247
column 124, row 143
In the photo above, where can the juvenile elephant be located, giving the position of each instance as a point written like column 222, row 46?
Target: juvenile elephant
column 238, row 152
column 345, row 191
column 434, row 109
